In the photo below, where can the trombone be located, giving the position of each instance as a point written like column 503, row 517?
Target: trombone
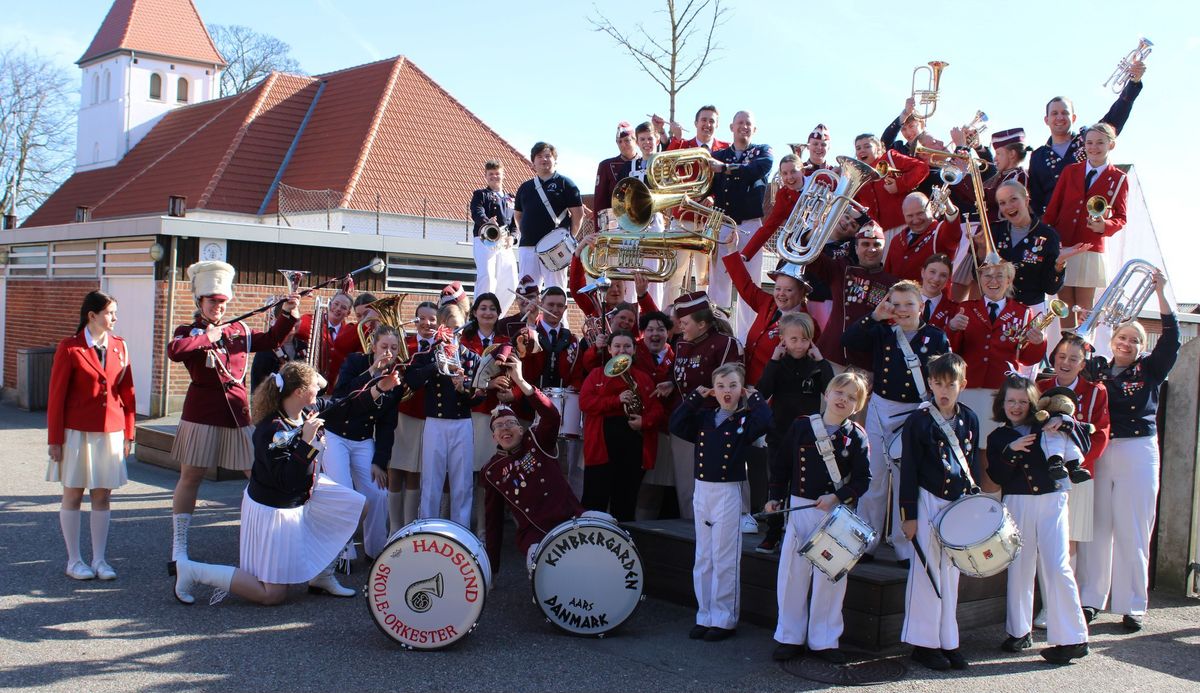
column 1124, row 71
column 926, row 99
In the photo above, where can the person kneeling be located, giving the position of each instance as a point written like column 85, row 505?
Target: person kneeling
column 824, row 462
column 295, row 521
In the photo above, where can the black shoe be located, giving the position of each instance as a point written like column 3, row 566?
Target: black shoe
column 1132, row 623
column 1089, row 614
column 833, row 656
column 784, row 652
column 767, row 546
column 1078, row 476
column 715, row 634
column 171, row 568
column 697, row 632
column 1057, row 472
column 930, row 658
column 903, row 563
column 1012, row 644
column 956, row 659
column 1063, row 654
column 867, row 558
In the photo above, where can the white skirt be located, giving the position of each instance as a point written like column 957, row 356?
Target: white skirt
column 90, row 460
column 1080, row 502
column 1086, row 270
column 406, row 450
column 286, row 546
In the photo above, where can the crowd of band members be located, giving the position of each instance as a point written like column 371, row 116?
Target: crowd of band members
column 421, row 443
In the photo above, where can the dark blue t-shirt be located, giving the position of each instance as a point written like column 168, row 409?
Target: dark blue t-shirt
column 536, row 222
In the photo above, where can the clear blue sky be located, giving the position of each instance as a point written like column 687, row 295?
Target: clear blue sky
column 536, row 71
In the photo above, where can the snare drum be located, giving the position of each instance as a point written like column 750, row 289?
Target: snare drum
column 587, row 576
column 426, row 590
column 556, row 249
column 566, row 401
column 978, row 534
column 838, row 542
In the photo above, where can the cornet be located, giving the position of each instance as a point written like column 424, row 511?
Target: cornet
column 940, row 203
column 925, row 100
column 1056, row 308
column 1097, row 207
column 1124, row 72
column 973, row 129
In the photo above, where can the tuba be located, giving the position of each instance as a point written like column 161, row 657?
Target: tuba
column 926, row 99
column 818, row 210
column 1119, row 304
column 1121, row 76
column 417, row 596
column 679, row 171
column 1097, row 207
column 387, row 312
column 618, row 367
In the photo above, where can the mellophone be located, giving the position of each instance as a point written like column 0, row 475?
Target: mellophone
column 428, row 587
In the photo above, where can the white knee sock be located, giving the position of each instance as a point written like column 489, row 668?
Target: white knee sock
column 69, row 520
column 99, row 522
column 179, row 535
column 395, row 511
column 412, row 504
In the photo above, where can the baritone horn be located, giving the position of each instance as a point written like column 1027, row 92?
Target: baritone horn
column 1121, row 301
column 386, row 312
column 925, row 100
column 818, row 210
column 1124, row 71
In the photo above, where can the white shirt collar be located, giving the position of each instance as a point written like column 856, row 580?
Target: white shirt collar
column 1000, row 304
column 87, row 335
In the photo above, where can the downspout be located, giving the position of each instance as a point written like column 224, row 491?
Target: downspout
column 167, row 329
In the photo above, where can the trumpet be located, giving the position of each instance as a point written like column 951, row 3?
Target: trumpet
column 1056, row 308
column 818, row 210
column 1124, row 71
column 618, row 367
column 492, row 235
column 975, row 167
column 1097, row 207
column 926, row 99
column 1118, row 304
column 973, row 129
column 940, row 203
column 884, row 168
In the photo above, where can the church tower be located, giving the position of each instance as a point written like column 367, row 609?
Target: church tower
column 148, row 57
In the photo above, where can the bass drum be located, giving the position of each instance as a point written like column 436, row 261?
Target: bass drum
column 587, row 576
column 427, row 588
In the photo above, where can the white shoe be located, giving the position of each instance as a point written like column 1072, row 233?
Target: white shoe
column 103, row 570
column 79, row 571
column 1039, row 621
column 327, row 583
column 749, row 524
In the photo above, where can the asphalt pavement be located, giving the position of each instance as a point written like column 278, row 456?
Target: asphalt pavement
column 57, row 634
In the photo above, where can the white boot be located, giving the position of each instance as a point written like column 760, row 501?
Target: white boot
column 180, row 522
column 327, row 583
column 189, row 574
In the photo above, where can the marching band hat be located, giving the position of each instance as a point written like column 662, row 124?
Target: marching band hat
column 527, row 286
column 690, row 303
column 451, row 293
column 819, row 133
column 1007, row 137
column 500, row 412
column 788, row 269
column 624, row 128
column 871, row 229
column 212, row 278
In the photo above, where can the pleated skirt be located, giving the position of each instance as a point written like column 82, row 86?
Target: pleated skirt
column 90, row 460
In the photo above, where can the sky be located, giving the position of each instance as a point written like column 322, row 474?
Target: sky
column 537, row 70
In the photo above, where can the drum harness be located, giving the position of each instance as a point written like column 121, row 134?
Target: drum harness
column 825, row 447
column 537, row 183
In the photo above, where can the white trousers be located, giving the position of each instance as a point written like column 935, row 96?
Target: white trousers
column 495, row 272
column 447, row 453
column 717, row 508
column 1118, row 558
column 884, row 419
column 348, row 462
column 815, row 621
column 929, row 621
column 720, row 286
column 529, row 264
column 1042, row 520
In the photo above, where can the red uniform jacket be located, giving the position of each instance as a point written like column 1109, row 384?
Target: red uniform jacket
column 905, row 257
column 785, row 201
column 660, row 372
column 333, row 351
column 941, row 315
column 696, row 361
column 86, row 396
column 599, row 398
column 1093, row 409
column 1067, row 211
column 414, row 406
column 530, row 483
column 856, row 291
column 217, row 395
column 989, row 347
column 475, row 345
column 763, row 336
column 885, row 207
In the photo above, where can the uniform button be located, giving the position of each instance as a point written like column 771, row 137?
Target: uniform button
column 1027, row 466
column 724, row 467
column 1035, row 488
column 801, row 478
column 885, row 370
column 987, row 346
column 727, row 457
column 802, row 468
column 985, row 359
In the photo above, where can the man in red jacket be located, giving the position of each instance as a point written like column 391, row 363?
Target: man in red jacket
column 923, row 237
column 885, row 195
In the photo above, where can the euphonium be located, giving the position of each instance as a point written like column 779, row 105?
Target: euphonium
column 1124, row 72
column 1118, row 304
column 387, row 312
column 926, row 99
column 680, row 171
column 818, row 210
column 618, row 367
column 1097, row 207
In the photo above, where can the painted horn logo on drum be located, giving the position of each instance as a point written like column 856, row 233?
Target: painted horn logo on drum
column 417, row 596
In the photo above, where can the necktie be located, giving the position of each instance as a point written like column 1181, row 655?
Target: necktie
column 925, row 311
column 993, row 309
column 553, row 337
column 424, row 345
column 1087, row 183
column 486, row 342
column 100, row 354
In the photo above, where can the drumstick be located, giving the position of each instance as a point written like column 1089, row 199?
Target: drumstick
column 764, row 515
column 921, row 555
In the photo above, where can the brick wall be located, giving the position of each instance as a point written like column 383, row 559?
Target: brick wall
column 40, row 312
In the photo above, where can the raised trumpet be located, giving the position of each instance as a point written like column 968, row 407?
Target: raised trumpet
column 1124, row 71
column 1097, row 207
column 973, row 129
column 926, row 99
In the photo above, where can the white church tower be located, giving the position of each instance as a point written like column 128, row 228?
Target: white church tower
column 149, row 57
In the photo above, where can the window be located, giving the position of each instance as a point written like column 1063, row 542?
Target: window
column 422, row 273
column 181, row 91
column 156, row 86
column 107, row 85
column 95, row 88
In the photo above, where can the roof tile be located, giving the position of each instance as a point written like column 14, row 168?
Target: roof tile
column 170, row 28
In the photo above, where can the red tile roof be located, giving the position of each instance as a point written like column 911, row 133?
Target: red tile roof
column 382, row 131
column 170, row 28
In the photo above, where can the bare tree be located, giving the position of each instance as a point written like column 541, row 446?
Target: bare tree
column 37, row 129
column 251, row 56
column 670, row 59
